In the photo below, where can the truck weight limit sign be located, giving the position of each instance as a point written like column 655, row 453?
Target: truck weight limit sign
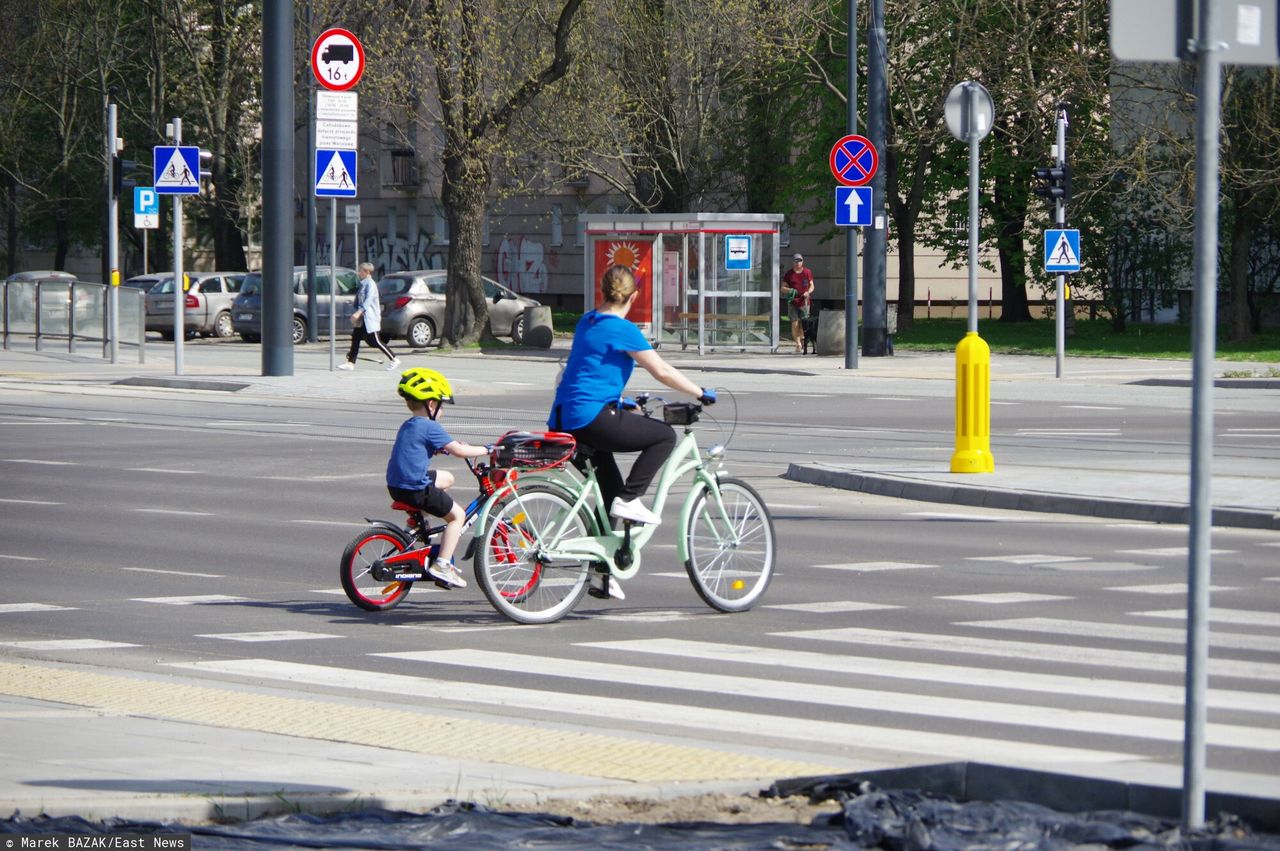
column 337, row 59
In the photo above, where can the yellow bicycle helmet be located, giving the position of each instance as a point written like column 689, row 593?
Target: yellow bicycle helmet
column 423, row 384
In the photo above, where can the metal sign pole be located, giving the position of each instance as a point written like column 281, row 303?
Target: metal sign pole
column 1208, row 121
column 178, row 274
column 1060, row 211
column 113, row 241
column 333, row 284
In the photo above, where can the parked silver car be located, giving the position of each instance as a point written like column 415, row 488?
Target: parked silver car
column 145, row 282
column 206, row 304
column 413, row 307
column 246, row 310
column 54, row 289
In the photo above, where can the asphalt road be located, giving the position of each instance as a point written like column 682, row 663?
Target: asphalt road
column 199, row 533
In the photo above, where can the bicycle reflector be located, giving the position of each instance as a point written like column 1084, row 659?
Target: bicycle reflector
column 533, row 451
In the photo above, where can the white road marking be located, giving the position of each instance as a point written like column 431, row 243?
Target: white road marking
column 278, row 635
column 1167, row 588
column 1029, row 558
column 844, row 697
column 42, row 462
column 194, row 600
column 11, row 608
column 1241, row 617
column 162, row 470
column 1028, row 651
column 1003, row 598
column 831, row 606
column 190, row 573
column 20, row 558
column 1172, row 551
column 858, row 665
column 67, row 644
column 328, row 522
column 29, row 502
column 1126, row 632
column 1093, row 407
column 874, row 565
column 176, row 511
column 982, row 518
column 751, row 725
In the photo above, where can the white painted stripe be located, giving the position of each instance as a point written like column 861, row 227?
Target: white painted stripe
column 1172, row 551
column 891, row 399
column 278, row 635
column 874, row 565
column 1269, row 544
column 176, row 511
column 1079, row 432
column 1181, row 529
column 337, row 592
column 11, row 608
column 230, row 422
column 1093, row 407
column 67, row 644
column 745, row 725
column 1103, row 657
column 328, row 522
column 1241, row 617
column 190, row 573
column 39, row 461
column 903, row 703
column 830, row 606
column 1125, row 632
column 858, row 666
column 20, row 558
column 161, row 470
column 196, row 600
column 1029, row 558
column 1003, row 598
column 1167, row 588
column 30, row 501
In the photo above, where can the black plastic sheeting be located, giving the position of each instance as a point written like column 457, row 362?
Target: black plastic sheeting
column 871, row 818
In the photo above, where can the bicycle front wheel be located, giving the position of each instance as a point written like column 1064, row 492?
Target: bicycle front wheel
column 731, row 554
column 375, row 542
column 519, row 582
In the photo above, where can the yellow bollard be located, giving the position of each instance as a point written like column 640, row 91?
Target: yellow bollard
column 973, row 407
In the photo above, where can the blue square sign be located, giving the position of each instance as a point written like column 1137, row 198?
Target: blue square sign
column 1062, row 250
column 737, row 253
column 853, row 206
column 335, row 174
column 176, row 169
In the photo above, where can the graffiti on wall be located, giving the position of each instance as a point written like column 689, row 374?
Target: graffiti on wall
column 521, row 265
column 397, row 254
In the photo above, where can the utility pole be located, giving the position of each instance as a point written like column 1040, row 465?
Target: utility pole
column 875, row 335
column 851, row 234
column 277, row 187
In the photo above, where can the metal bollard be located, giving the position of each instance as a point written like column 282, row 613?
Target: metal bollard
column 973, row 407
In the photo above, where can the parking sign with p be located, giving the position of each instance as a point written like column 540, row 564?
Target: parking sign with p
column 146, row 208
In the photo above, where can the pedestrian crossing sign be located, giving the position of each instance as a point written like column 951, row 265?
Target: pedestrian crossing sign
column 335, row 174
column 176, row 169
column 1062, row 250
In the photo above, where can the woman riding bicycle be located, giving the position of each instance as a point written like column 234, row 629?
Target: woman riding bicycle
column 606, row 349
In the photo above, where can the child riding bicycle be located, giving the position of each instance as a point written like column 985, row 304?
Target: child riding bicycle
column 409, row 477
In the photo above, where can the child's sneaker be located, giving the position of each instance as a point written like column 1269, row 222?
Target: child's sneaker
column 446, row 572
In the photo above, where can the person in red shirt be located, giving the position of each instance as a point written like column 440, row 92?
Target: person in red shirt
column 797, row 294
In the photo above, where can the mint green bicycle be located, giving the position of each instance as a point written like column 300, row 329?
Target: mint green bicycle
column 546, row 531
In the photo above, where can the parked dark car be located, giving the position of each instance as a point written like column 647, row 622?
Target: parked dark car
column 413, row 307
column 246, row 310
column 206, row 304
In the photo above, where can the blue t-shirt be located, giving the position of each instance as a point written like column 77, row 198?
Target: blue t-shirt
column 598, row 368
column 418, row 439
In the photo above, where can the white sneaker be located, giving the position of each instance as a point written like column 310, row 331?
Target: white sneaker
column 634, row 510
column 605, row 586
column 395, row 363
column 446, row 572
column 347, row 365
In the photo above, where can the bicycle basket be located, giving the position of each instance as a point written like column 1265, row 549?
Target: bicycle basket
column 533, row 451
column 680, row 413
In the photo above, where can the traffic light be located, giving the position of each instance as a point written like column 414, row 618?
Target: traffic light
column 119, row 168
column 1055, row 183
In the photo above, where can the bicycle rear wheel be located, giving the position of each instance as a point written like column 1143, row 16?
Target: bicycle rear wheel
column 731, row 555
column 375, row 542
column 518, row 582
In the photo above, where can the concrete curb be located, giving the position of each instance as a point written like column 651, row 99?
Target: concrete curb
column 902, row 487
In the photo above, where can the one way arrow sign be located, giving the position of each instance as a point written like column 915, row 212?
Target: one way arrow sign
column 853, row 206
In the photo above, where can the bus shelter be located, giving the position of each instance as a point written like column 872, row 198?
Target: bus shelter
column 707, row 280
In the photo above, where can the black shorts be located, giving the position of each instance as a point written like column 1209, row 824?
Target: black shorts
column 434, row 501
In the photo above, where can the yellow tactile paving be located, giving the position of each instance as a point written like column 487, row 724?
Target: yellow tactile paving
column 587, row 754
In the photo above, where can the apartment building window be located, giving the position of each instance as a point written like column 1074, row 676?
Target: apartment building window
column 404, row 168
column 441, row 230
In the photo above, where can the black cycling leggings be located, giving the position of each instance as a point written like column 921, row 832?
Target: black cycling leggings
column 622, row 431
column 358, row 335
